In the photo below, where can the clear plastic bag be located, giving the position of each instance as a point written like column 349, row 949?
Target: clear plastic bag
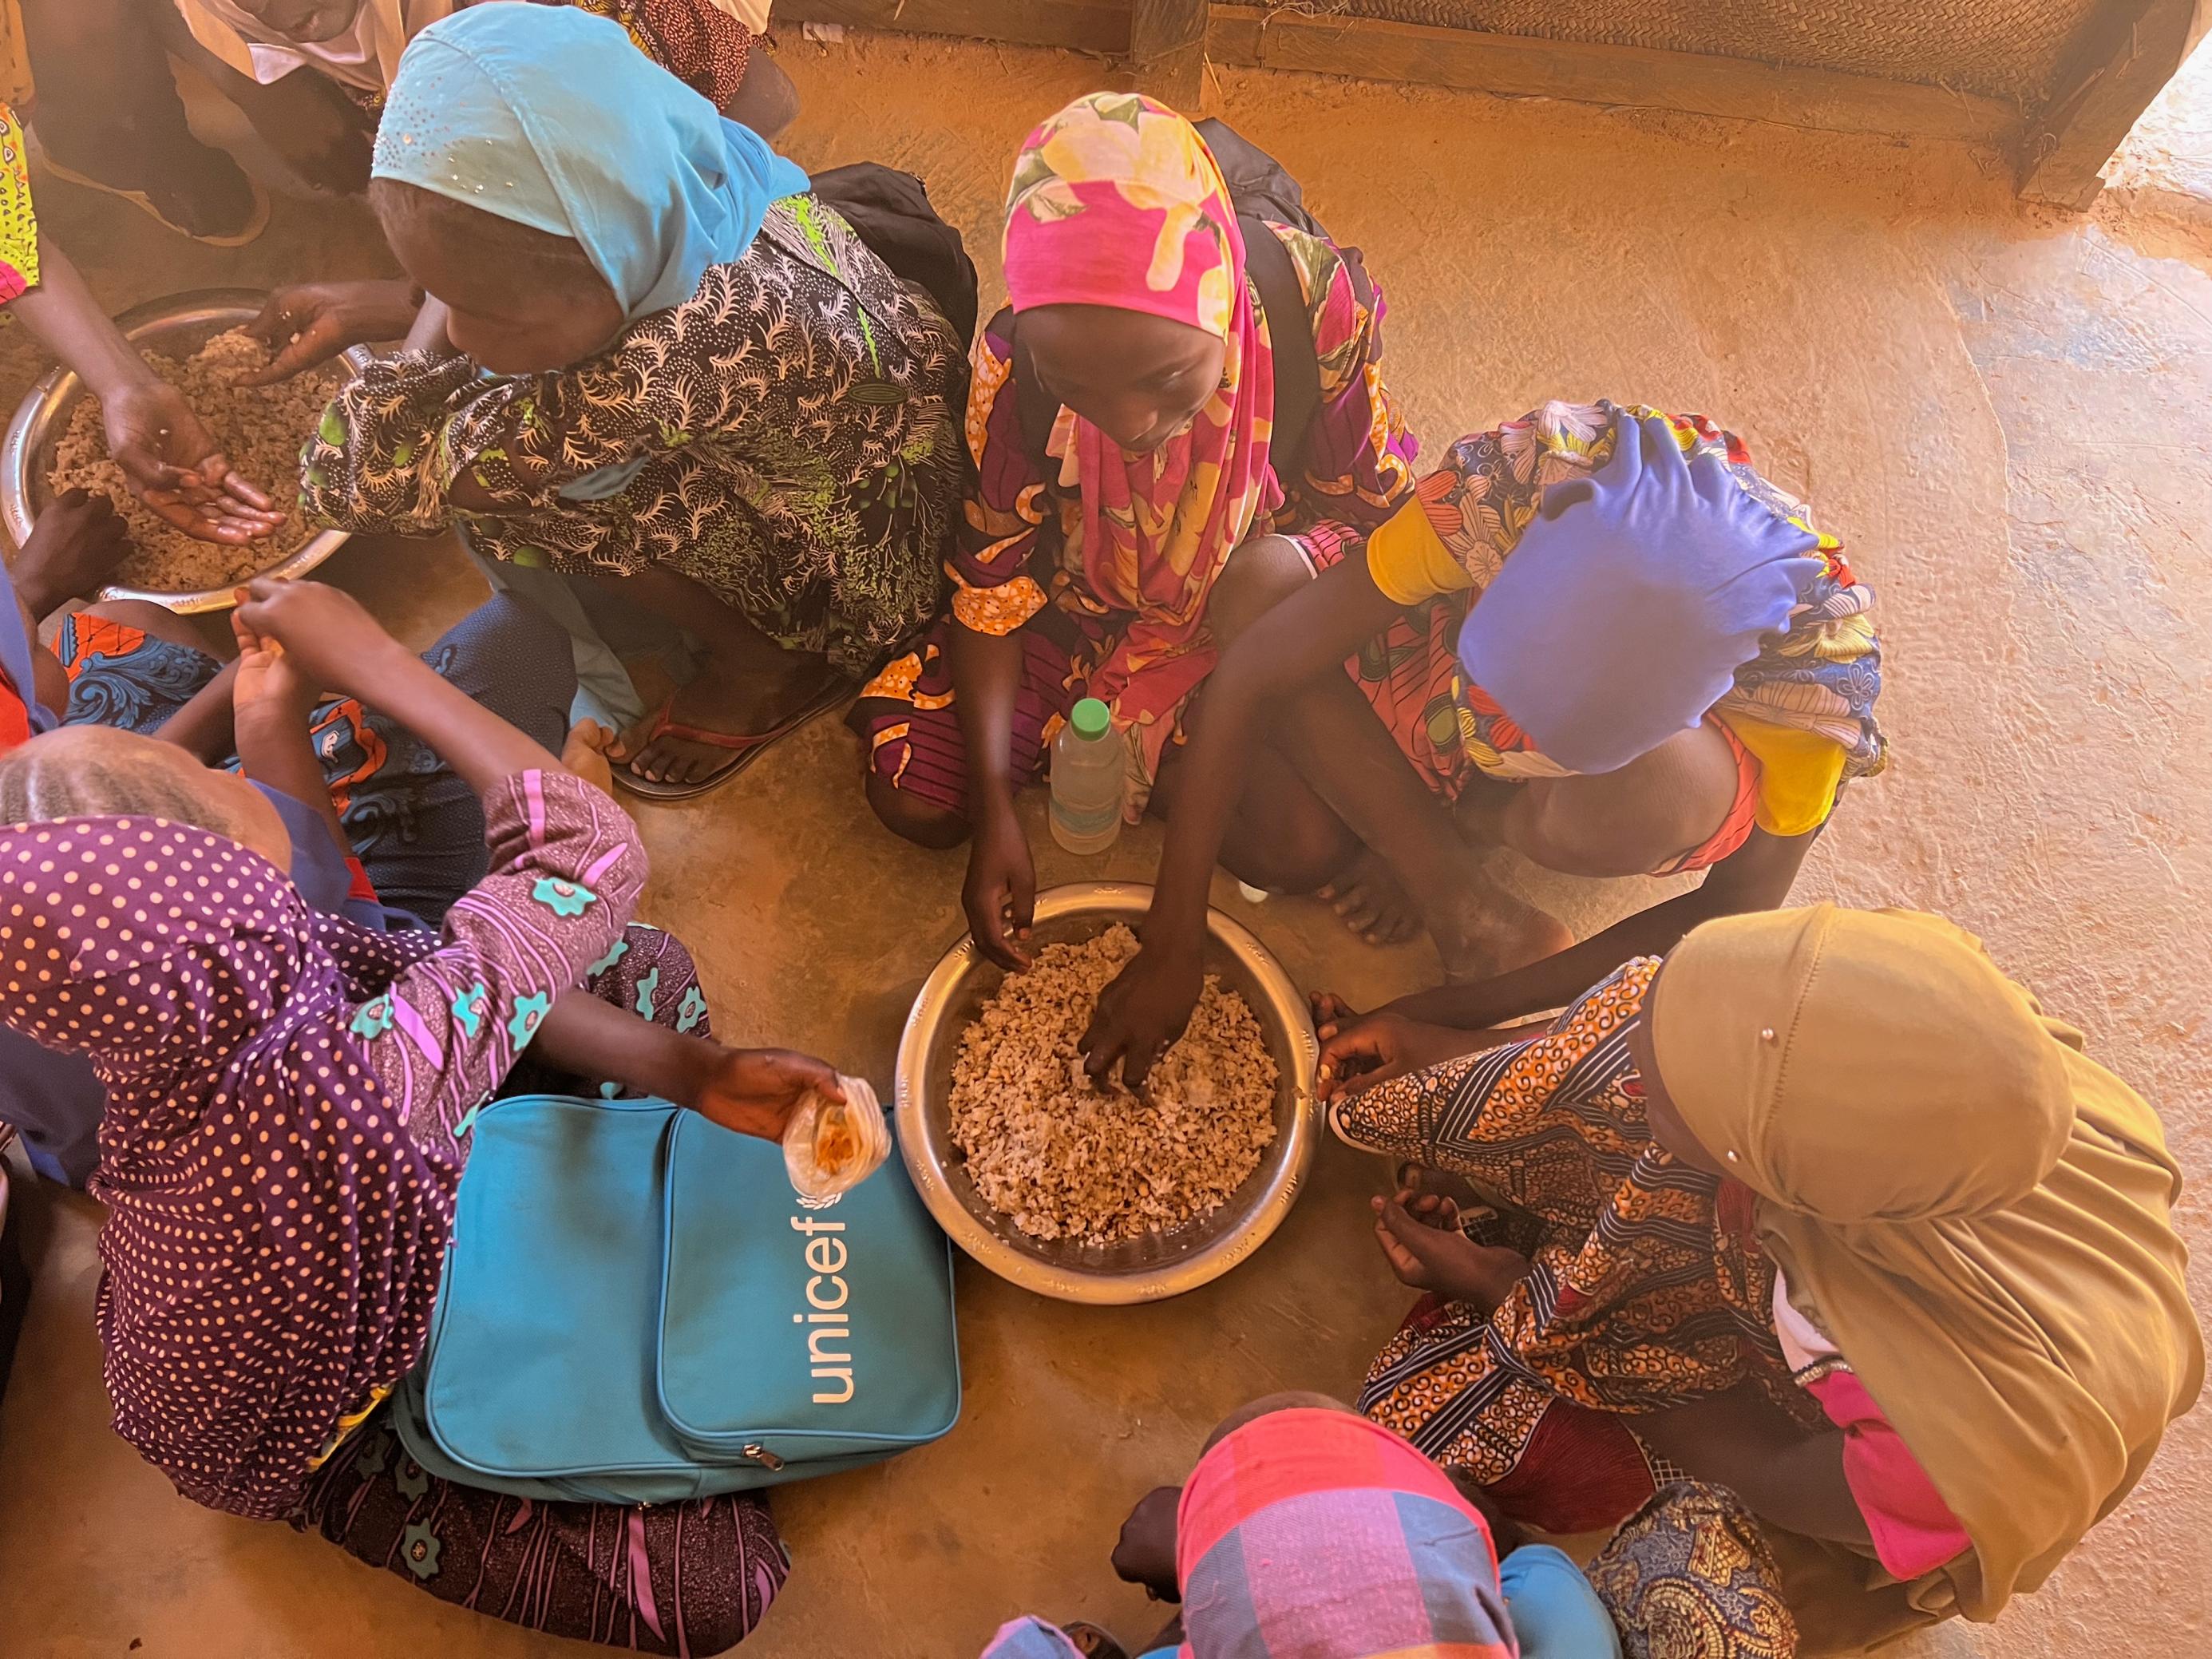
column 831, row 1146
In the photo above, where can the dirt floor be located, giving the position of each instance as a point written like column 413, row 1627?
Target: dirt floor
column 2003, row 413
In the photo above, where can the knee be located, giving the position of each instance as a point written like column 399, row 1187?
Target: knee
column 146, row 618
column 1260, row 576
column 937, row 828
column 766, row 101
column 1288, row 851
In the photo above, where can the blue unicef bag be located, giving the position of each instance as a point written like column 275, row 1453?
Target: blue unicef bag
column 635, row 1309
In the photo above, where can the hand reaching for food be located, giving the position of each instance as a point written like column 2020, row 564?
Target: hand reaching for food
column 1001, row 894
column 73, row 549
column 172, row 463
column 310, row 323
column 1142, row 1012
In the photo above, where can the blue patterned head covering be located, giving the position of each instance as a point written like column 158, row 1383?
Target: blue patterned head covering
column 551, row 117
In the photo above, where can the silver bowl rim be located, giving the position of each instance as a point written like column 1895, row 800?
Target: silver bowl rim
column 1152, row 1284
column 42, row 405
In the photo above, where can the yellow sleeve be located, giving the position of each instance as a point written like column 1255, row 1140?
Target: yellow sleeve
column 1407, row 560
column 1798, row 774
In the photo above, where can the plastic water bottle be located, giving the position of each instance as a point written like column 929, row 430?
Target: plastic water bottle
column 1086, row 779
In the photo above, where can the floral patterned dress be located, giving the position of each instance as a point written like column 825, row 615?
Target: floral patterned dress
column 788, row 437
column 1649, row 1287
column 1018, row 564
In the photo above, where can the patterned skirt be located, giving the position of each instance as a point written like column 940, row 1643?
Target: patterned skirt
column 906, row 718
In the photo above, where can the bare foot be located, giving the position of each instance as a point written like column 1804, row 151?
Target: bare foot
column 1420, row 1237
column 719, row 701
column 1442, row 1184
column 201, row 190
column 1368, row 895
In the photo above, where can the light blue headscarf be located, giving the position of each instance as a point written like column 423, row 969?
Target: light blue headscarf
column 552, row 118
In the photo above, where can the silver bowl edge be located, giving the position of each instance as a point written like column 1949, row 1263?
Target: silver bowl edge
column 24, row 453
column 932, row 1028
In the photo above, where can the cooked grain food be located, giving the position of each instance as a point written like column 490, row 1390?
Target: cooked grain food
column 260, row 427
column 1068, row 1160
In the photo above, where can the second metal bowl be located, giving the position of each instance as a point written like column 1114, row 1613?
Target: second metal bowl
column 1157, row 1265
column 182, row 323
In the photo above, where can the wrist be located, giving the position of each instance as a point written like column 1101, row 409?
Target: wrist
column 686, row 1067
column 1172, row 930
column 384, row 310
column 36, row 591
column 380, row 670
column 113, row 377
column 267, row 718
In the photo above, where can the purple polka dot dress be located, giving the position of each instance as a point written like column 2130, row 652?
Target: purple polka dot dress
column 289, row 1102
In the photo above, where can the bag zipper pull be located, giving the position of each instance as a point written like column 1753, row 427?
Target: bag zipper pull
column 761, row 1455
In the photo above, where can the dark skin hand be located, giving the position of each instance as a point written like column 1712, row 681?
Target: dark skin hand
column 1145, row 1552
column 1359, row 1052
column 1000, row 894
column 1420, row 1239
column 173, row 464
column 76, row 542
column 310, row 323
column 334, row 643
column 271, row 703
column 168, row 457
column 73, row 547
column 752, row 1091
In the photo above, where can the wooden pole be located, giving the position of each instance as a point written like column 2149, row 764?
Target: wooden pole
column 2124, row 55
column 1166, row 48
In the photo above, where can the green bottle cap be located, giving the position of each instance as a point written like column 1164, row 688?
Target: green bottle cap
column 1091, row 718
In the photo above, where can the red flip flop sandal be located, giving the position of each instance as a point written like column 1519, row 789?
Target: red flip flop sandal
column 744, row 748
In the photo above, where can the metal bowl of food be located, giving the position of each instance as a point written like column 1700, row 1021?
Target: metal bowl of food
column 1157, row 1265
column 179, row 325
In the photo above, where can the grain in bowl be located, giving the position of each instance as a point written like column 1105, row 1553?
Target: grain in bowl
column 1065, row 1159
column 261, row 428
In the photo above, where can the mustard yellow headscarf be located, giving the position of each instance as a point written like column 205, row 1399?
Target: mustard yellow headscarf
column 1975, row 1213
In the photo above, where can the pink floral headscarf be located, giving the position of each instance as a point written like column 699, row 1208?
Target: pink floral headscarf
column 1116, row 201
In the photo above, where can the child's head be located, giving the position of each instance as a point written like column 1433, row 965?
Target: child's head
column 549, row 182
column 1126, row 265
column 1139, row 379
column 96, row 771
column 523, row 302
column 1851, row 1065
column 1661, row 1115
